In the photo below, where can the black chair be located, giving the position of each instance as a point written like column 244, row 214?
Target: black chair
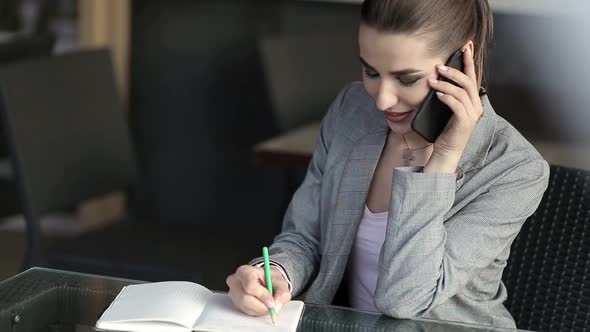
column 17, row 48
column 70, row 142
column 22, row 47
column 548, row 272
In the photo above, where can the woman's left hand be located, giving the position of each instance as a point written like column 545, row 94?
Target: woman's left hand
column 465, row 103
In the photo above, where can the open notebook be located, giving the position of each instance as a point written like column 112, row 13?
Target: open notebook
column 185, row 306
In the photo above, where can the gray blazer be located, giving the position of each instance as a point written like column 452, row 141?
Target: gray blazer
column 448, row 237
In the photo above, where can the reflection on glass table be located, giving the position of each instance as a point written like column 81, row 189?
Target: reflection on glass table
column 59, row 301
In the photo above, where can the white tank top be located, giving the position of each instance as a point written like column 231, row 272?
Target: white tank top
column 365, row 259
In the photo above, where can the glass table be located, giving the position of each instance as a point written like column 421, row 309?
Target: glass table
column 48, row 300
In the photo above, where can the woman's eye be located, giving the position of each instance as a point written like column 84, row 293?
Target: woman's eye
column 371, row 73
column 408, row 81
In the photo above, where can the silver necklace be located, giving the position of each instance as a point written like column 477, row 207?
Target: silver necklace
column 408, row 154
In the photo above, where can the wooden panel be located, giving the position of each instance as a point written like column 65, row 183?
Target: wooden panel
column 106, row 23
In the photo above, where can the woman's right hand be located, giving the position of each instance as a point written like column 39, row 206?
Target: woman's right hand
column 248, row 292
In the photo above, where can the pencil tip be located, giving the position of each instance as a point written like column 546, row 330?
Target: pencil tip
column 273, row 320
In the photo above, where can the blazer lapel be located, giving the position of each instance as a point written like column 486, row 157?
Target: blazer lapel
column 350, row 201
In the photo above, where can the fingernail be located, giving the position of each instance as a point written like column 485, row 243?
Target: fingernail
column 278, row 308
column 440, row 94
column 433, row 81
column 443, row 67
column 270, row 305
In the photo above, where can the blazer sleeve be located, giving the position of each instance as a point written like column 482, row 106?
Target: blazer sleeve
column 424, row 262
column 297, row 247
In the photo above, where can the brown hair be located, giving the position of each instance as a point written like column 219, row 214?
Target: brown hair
column 448, row 24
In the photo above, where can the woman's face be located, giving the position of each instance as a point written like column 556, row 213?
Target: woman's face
column 396, row 69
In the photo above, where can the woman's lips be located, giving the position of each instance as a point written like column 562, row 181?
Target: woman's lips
column 397, row 117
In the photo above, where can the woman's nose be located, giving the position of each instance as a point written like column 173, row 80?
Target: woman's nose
column 386, row 97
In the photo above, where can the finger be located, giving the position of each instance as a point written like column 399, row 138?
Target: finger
column 282, row 296
column 230, row 281
column 248, row 304
column 463, row 80
column 470, row 89
column 251, row 282
column 454, row 91
column 281, row 290
column 244, row 302
column 454, row 104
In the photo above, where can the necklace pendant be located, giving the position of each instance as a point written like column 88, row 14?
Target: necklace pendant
column 408, row 156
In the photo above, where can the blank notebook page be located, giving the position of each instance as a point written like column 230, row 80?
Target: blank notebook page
column 221, row 315
column 180, row 302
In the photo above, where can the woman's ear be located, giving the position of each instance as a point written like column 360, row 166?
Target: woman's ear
column 469, row 45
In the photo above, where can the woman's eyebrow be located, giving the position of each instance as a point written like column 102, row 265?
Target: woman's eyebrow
column 401, row 72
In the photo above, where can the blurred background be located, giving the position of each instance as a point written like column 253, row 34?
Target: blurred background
column 163, row 105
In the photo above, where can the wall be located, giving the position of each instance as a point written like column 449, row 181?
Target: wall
column 210, row 78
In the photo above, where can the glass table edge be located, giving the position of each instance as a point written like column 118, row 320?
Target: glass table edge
column 336, row 307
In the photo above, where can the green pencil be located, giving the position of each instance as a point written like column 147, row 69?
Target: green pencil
column 271, row 311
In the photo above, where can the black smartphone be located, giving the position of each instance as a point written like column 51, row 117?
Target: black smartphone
column 433, row 115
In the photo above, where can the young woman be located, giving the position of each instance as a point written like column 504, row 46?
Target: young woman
column 401, row 226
